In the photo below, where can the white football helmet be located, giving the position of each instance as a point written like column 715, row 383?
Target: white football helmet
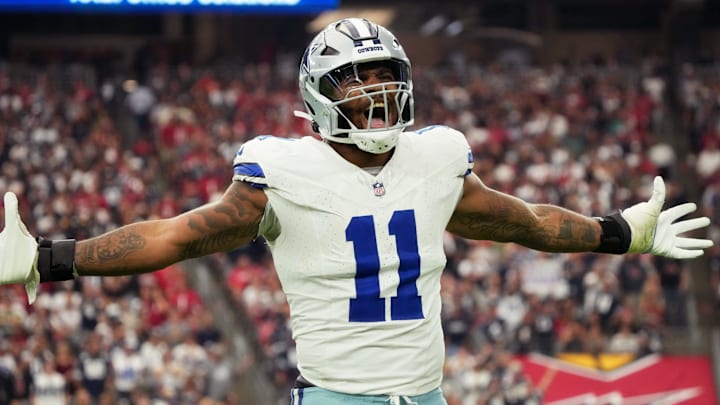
column 332, row 59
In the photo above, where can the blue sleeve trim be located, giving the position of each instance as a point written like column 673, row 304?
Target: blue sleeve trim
column 470, row 163
column 249, row 170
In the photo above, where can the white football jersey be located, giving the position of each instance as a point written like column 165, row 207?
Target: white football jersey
column 360, row 256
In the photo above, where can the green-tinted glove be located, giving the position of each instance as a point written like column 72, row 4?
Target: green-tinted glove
column 18, row 250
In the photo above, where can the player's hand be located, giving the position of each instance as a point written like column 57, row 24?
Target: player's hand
column 18, row 250
column 656, row 231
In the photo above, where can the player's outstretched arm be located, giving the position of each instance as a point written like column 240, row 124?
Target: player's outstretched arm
column 141, row 247
column 220, row 226
column 484, row 213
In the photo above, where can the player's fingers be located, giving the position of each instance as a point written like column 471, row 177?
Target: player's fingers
column 677, row 253
column 11, row 210
column 690, row 225
column 658, row 196
column 693, row 243
column 671, row 215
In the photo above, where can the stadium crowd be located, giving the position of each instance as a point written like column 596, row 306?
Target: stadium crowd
column 86, row 154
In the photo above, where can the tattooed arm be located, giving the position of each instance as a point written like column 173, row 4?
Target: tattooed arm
column 484, row 213
column 145, row 246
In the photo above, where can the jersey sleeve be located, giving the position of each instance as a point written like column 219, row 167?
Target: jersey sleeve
column 253, row 159
column 453, row 145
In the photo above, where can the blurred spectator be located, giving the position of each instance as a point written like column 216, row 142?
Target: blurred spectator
column 7, row 385
column 49, row 386
column 94, row 368
column 220, row 376
column 624, row 340
column 140, row 100
column 191, row 358
column 128, row 368
column 511, row 307
column 632, row 274
column 543, row 327
column 674, row 282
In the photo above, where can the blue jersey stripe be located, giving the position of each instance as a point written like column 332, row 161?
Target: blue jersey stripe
column 470, row 163
column 249, row 169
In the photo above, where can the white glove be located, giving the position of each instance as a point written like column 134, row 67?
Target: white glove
column 18, row 251
column 655, row 231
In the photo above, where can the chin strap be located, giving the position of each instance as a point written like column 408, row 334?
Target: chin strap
column 304, row 115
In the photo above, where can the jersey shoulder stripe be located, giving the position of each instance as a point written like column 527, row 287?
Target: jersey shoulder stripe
column 254, row 160
column 247, row 163
column 250, row 173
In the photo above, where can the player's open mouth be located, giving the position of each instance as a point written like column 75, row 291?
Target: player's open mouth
column 376, row 115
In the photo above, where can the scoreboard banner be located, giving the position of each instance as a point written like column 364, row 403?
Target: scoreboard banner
column 132, row 6
column 652, row 379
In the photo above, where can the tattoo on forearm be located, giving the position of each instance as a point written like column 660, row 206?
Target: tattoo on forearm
column 495, row 226
column 113, row 246
column 589, row 235
column 572, row 229
column 210, row 243
column 223, row 231
column 566, row 231
column 562, row 233
column 86, row 252
column 492, row 228
column 572, row 232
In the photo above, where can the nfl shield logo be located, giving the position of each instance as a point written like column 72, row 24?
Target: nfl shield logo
column 378, row 189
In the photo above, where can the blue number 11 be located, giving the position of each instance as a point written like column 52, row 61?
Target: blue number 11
column 369, row 306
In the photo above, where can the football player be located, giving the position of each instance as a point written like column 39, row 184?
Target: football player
column 355, row 223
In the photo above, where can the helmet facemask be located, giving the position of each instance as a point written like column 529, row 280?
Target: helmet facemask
column 388, row 105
